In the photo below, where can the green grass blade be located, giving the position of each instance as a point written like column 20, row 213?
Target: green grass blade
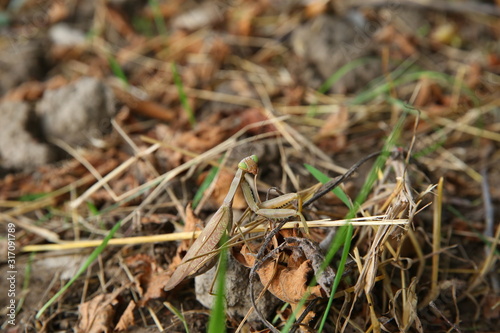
column 341, row 72
column 117, row 70
column 322, row 178
column 335, row 77
column 203, row 187
column 26, row 282
column 342, row 238
column 90, row 259
column 347, row 231
column 179, row 315
column 383, row 88
column 157, row 16
column 217, row 323
column 92, row 208
column 33, row 197
column 363, row 194
column 183, row 96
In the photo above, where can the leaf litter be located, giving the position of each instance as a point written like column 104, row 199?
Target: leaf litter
column 251, row 72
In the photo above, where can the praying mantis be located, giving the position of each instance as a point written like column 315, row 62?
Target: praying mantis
column 202, row 251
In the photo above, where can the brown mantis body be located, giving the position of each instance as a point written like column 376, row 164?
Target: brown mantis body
column 209, row 238
column 195, row 259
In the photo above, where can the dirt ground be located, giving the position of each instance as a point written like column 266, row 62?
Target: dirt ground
column 122, row 128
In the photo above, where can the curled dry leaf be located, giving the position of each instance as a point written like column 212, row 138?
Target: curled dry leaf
column 96, row 315
column 144, row 269
column 127, row 318
column 152, row 278
column 289, row 278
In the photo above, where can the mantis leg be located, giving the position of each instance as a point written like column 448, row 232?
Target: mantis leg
column 274, row 208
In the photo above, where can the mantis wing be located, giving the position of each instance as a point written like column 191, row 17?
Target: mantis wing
column 194, row 260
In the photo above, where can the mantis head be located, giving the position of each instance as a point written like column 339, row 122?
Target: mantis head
column 249, row 164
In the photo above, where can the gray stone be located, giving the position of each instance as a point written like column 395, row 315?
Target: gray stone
column 326, row 43
column 237, row 292
column 65, row 35
column 20, row 62
column 78, row 112
column 19, row 149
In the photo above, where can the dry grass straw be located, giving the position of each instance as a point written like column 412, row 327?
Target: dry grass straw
column 375, row 220
column 394, row 197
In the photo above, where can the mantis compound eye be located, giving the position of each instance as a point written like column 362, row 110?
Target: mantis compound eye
column 249, row 164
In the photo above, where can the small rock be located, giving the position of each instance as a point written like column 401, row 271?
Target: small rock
column 21, row 62
column 18, row 148
column 326, row 43
column 78, row 112
column 201, row 16
column 237, row 292
column 64, row 35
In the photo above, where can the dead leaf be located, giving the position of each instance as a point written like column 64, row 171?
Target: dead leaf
column 221, row 188
column 96, row 315
column 127, row 318
column 58, row 11
column 252, row 116
column 315, row 8
column 331, row 136
column 289, row 279
column 205, row 136
column 155, row 287
column 491, row 306
column 142, row 267
column 151, row 278
column 27, row 91
column 156, row 218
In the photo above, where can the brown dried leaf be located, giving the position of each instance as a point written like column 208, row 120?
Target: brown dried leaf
column 154, row 289
column 153, row 279
column 331, row 136
column 58, row 11
column 142, row 267
column 315, row 8
column 96, row 315
column 287, row 280
column 222, row 186
column 156, row 219
column 205, row 136
column 127, row 318
column 27, row 91
column 252, row 116
column 241, row 17
column 308, row 317
column 149, row 277
column 491, row 308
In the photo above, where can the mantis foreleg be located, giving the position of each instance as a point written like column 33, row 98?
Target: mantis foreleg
column 273, row 208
